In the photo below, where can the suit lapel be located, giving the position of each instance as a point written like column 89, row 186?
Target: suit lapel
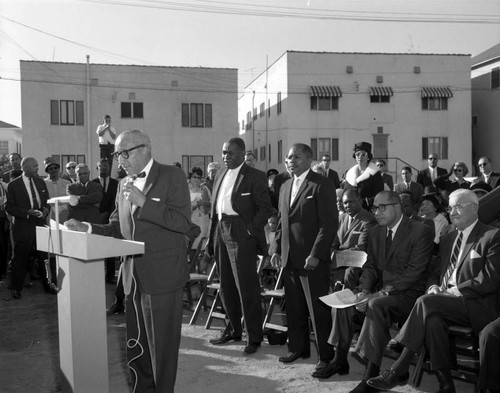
column 239, row 179
column 300, row 191
column 471, row 240
column 398, row 237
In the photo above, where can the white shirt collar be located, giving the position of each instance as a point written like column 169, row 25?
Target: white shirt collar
column 237, row 169
column 302, row 176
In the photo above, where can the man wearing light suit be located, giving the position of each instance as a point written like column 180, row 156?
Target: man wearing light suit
column 240, row 208
column 152, row 206
column 464, row 290
column 27, row 197
column 308, row 221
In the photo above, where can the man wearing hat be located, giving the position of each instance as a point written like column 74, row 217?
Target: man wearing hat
column 56, row 186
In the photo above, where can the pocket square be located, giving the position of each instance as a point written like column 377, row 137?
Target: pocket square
column 309, row 197
column 155, row 199
column 245, row 194
column 356, row 232
column 474, row 254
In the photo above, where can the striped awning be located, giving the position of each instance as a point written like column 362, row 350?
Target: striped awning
column 381, row 91
column 434, row 91
column 325, row 91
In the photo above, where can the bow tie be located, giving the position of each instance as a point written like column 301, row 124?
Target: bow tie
column 142, row 174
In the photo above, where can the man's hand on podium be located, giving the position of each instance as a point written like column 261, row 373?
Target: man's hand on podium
column 75, row 225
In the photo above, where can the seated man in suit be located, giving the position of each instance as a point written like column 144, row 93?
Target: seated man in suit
column 353, row 226
column 391, row 279
column 86, row 197
column 488, row 175
column 464, row 290
column 489, row 348
column 427, row 176
column 408, row 185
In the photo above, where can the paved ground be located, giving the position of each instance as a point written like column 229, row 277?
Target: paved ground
column 29, row 358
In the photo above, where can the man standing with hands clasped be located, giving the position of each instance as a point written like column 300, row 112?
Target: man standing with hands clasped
column 153, row 206
column 308, row 221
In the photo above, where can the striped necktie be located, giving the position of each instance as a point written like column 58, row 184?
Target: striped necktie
column 453, row 262
column 36, row 206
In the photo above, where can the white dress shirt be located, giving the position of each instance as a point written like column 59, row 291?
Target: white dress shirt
column 224, row 205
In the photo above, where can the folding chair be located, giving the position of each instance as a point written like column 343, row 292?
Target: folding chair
column 275, row 295
column 204, row 294
column 346, row 259
column 463, row 342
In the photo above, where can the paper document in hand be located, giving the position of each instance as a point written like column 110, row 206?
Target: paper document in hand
column 341, row 299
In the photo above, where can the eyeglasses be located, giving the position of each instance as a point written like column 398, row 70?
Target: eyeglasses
column 482, row 164
column 71, row 167
column 125, row 153
column 51, row 168
column 360, row 154
column 380, row 165
column 459, row 208
column 458, row 170
column 195, row 177
column 432, row 159
column 381, row 208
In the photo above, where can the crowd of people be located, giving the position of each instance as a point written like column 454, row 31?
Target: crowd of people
column 429, row 261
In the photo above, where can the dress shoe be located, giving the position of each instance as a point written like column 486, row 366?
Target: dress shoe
column 16, row 294
column 363, row 388
column 226, row 337
column 388, row 380
column 321, row 365
column 332, row 369
column 115, row 308
column 251, row 348
column 293, row 356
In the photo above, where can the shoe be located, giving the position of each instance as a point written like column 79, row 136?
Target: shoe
column 226, row 337
column 321, row 364
column 332, row 369
column 388, row 380
column 293, row 356
column 115, row 308
column 251, row 348
column 363, row 388
column 16, row 294
column 445, row 380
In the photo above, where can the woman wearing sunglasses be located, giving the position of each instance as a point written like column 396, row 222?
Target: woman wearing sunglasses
column 454, row 179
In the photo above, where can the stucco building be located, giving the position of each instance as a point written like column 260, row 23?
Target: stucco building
column 188, row 112
column 485, row 104
column 406, row 105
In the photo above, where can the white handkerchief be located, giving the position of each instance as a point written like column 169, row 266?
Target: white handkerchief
column 309, row 197
column 245, row 194
column 474, row 254
column 155, row 199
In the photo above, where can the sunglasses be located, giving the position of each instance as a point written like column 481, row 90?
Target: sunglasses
column 458, row 170
column 70, row 167
column 432, row 159
column 482, row 164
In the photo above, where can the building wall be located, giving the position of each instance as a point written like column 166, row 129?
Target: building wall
column 485, row 104
column 162, row 90
column 356, row 119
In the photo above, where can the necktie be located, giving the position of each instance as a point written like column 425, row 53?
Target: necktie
column 453, row 261
column 295, row 189
column 388, row 241
column 36, row 206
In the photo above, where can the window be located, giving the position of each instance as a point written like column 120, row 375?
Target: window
column 324, row 103
column 278, row 105
column 435, row 103
column 188, row 162
column 436, row 144
column 4, row 148
column 262, row 110
column 66, row 112
column 322, row 146
column 196, row 115
column 495, row 78
column 269, row 153
column 268, row 108
column 132, row 110
column 280, row 152
column 378, row 98
column 262, row 153
column 65, row 158
column 249, row 120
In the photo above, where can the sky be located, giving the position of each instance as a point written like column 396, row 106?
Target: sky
column 242, row 34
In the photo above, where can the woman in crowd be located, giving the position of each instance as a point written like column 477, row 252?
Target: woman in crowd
column 431, row 209
column 199, row 213
column 459, row 170
column 365, row 175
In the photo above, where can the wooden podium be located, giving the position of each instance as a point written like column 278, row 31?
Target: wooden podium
column 83, row 343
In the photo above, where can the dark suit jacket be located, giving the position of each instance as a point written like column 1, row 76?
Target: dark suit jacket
column 416, row 190
column 354, row 237
column 307, row 227
column 405, row 265
column 107, row 205
column 7, row 177
column 250, row 199
column 87, row 208
column 424, row 176
column 334, row 176
column 478, row 274
column 387, row 178
column 493, row 180
column 161, row 224
column 18, row 204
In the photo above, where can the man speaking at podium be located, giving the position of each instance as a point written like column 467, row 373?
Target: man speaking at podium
column 152, row 206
